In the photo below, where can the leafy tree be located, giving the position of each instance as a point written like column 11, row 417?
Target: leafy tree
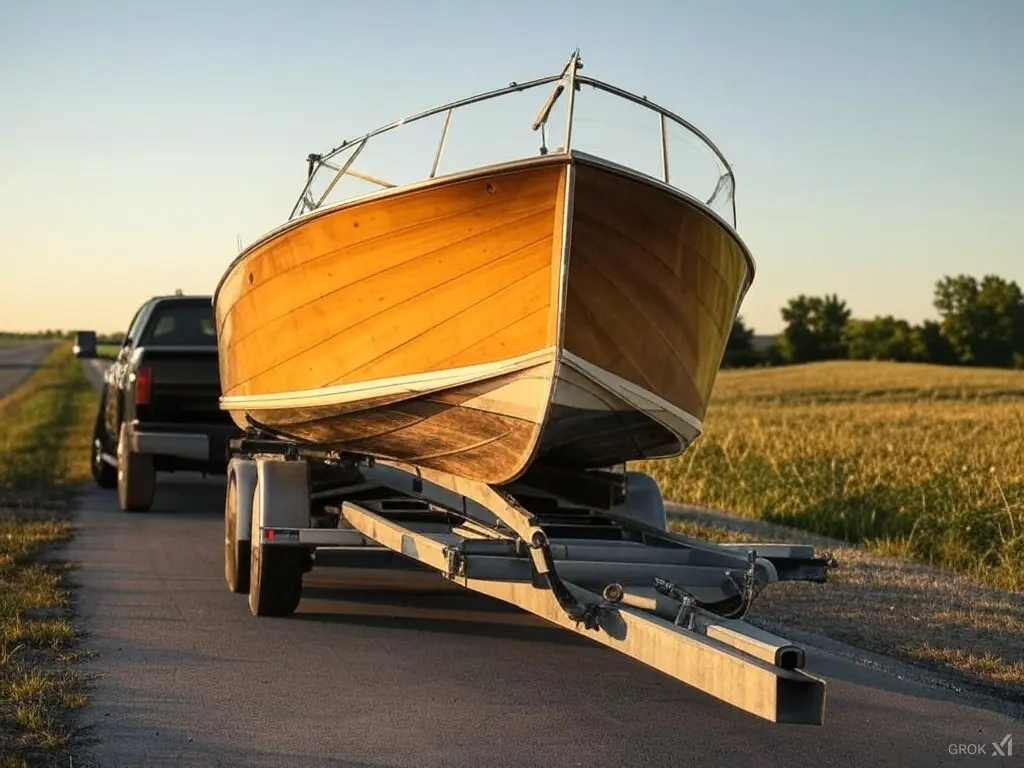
column 936, row 346
column 772, row 353
column 814, row 328
column 799, row 342
column 884, row 338
column 739, row 350
column 982, row 320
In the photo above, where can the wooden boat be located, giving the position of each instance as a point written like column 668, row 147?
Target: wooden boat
column 560, row 308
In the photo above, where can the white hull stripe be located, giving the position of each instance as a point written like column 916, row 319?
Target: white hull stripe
column 642, row 399
column 671, row 417
column 414, row 385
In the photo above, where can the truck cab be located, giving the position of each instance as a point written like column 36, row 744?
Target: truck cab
column 159, row 410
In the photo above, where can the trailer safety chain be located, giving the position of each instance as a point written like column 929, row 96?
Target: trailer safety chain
column 688, row 603
column 748, row 589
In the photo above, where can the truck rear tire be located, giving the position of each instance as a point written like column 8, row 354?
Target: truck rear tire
column 104, row 474
column 136, row 477
column 236, row 553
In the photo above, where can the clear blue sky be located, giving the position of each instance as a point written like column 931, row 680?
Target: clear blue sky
column 876, row 145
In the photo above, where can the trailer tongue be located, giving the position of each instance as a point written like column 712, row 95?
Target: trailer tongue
column 588, row 551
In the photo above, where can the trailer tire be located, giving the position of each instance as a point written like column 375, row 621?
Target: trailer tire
column 275, row 571
column 136, row 476
column 236, row 552
column 275, row 580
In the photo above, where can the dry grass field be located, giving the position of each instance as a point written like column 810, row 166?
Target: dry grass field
column 919, row 461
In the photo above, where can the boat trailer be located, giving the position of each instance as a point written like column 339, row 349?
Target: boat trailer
column 588, row 551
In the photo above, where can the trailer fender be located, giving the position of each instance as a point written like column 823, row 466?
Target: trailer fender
column 282, row 494
column 245, row 473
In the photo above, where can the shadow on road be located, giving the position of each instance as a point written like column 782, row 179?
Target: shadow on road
column 187, row 494
column 468, row 615
column 412, row 597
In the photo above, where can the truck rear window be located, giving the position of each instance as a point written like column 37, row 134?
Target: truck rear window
column 181, row 325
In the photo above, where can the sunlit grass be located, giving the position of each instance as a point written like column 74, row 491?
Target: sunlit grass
column 921, row 461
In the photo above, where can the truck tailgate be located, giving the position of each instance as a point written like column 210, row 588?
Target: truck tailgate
column 185, row 385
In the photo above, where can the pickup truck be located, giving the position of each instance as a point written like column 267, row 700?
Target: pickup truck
column 159, row 407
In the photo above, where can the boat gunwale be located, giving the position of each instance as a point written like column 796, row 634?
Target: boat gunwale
column 569, row 158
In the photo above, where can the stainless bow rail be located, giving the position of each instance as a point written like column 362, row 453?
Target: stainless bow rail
column 338, row 162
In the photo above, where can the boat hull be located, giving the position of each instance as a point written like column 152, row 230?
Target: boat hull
column 556, row 309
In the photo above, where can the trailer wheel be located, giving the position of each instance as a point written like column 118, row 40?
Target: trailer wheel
column 136, row 476
column 275, row 586
column 236, row 553
column 275, row 572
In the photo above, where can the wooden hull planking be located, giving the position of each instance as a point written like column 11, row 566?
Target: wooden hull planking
column 471, row 326
column 653, row 287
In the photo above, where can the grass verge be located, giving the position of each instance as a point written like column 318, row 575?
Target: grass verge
column 921, row 461
column 45, row 430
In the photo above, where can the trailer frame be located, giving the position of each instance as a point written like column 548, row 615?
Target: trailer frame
column 590, row 552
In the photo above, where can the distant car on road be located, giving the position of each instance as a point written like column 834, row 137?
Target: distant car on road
column 159, row 407
column 85, row 344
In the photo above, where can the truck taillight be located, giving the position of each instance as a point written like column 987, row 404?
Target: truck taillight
column 143, row 385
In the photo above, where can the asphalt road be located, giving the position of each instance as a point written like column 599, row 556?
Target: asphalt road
column 18, row 362
column 186, row 676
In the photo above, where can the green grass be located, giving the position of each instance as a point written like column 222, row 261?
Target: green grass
column 45, row 428
column 920, row 461
column 7, row 340
column 108, row 351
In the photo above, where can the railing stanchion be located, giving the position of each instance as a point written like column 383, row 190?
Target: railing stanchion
column 664, row 146
column 440, row 143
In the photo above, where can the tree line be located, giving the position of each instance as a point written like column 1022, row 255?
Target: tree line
column 981, row 323
column 55, row 334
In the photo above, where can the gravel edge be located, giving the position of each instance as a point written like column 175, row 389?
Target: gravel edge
column 938, row 683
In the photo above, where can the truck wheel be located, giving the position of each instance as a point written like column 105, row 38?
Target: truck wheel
column 136, row 477
column 236, row 553
column 275, row 576
column 104, row 474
